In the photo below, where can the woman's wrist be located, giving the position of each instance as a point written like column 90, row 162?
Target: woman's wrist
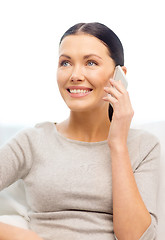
column 118, row 146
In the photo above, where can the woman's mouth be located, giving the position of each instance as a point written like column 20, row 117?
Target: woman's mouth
column 76, row 93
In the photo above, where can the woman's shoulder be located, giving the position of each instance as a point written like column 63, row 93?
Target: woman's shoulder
column 44, row 126
column 33, row 132
column 144, row 147
column 145, row 141
column 143, row 136
column 41, row 126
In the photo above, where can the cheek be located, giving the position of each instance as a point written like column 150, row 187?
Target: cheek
column 98, row 78
column 62, row 76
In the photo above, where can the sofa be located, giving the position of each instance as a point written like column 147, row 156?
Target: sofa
column 13, row 206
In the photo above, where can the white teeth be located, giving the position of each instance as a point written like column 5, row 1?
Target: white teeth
column 78, row 91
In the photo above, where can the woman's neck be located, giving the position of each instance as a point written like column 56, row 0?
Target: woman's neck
column 85, row 127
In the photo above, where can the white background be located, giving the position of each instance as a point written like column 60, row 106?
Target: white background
column 29, row 36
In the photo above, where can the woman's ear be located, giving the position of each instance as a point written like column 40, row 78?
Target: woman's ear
column 124, row 69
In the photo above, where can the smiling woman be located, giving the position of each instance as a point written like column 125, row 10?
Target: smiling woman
column 89, row 177
column 84, row 57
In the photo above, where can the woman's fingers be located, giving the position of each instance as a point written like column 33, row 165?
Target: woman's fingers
column 116, row 89
column 118, row 85
column 118, row 96
column 110, row 98
column 112, row 91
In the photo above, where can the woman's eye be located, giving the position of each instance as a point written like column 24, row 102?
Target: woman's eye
column 91, row 63
column 65, row 64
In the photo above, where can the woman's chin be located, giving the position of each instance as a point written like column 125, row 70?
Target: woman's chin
column 80, row 108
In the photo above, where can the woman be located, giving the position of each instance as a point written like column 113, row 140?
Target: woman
column 89, row 177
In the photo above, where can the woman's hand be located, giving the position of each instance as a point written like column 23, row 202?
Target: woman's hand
column 122, row 115
column 8, row 232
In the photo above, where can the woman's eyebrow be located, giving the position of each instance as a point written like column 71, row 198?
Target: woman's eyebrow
column 85, row 57
column 92, row 55
column 64, row 55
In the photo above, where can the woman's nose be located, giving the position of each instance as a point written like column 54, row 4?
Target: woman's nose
column 77, row 75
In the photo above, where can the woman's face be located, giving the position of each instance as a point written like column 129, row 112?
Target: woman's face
column 84, row 69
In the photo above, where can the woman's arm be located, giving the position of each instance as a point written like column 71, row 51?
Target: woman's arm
column 130, row 215
column 15, row 158
column 9, row 232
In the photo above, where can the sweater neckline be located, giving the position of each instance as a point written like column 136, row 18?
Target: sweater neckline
column 77, row 141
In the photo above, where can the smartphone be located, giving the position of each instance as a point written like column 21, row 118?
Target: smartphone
column 120, row 75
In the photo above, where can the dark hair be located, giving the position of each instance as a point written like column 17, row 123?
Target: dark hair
column 107, row 36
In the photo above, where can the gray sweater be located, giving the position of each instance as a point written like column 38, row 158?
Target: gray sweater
column 68, row 182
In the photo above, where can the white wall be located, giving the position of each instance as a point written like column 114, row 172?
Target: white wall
column 30, row 31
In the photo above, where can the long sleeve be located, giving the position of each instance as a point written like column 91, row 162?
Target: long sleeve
column 145, row 169
column 146, row 176
column 15, row 159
